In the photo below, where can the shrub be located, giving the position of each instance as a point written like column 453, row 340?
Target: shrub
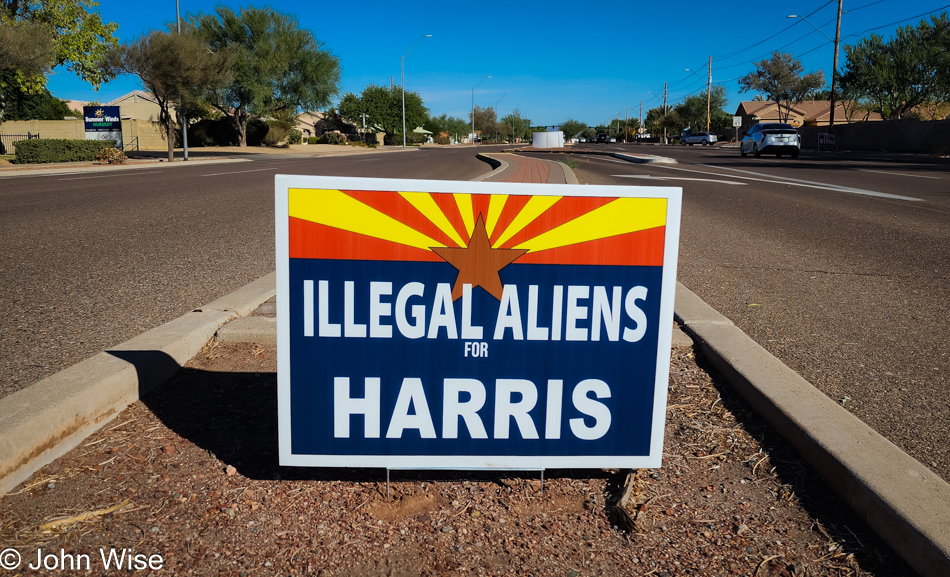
column 278, row 132
column 111, row 155
column 442, row 139
column 313, row 140
column 294, row 136
column 59, row 150
column 333, row 138
column 257, row 130
column 209, row 132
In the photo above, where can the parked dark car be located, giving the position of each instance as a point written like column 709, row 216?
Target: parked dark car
column 601, row 137
column 771, row 138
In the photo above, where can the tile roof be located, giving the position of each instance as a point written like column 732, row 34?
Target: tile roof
column 140, row 93
column 810, row 110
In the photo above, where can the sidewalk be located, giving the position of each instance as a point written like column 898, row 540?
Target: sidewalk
column 174, row 474
column 516, row 168
column 201, row 154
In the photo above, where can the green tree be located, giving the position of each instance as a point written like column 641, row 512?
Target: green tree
column 26, row 56
column 818, row 95
column 172, row 66
column 909, row 70
column 656, row 121
column 383, row 109
column 780, row 79
column 79, row 39
column 515, row 125
column 573, row 128
column 453, row 126
column 22, row 104
column 692, row 111
column 276, row 65
column 485, row 120
column 26, row 47
column 623, row 129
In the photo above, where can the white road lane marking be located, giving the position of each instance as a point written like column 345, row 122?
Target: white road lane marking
column 124, row 173
column 898, row 173
column 798, row 182
column 648, row 177
column 240, row 171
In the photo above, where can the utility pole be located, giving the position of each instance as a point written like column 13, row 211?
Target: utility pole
column 626, row 123
column 664, row 113
column 708, row 93
column 641, row 116
column 834, row 69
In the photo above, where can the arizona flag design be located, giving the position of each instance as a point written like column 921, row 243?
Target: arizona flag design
column 427, row 324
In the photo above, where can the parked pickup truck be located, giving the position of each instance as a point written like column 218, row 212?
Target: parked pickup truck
column 691, row 138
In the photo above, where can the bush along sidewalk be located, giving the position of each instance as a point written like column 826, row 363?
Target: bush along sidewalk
column 111, row 155
column 42, row 151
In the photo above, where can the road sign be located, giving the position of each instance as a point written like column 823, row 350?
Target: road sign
column 470, row 325
column 736, row 121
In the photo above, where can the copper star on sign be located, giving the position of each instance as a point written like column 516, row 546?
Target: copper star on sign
column 478, row 263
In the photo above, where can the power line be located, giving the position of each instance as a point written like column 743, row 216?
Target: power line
column 800, row 54
column 737, row 52
column 900, row 21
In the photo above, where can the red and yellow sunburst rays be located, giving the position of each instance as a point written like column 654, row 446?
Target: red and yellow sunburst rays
column 381, row 225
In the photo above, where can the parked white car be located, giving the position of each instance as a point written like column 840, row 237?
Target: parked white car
column 704, row 138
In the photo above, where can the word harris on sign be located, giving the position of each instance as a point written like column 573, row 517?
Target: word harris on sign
column 428, row 324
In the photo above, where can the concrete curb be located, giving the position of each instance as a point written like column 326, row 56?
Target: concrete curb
column 903, row 501
column 83, row 168
column 569, row 176
column 260, row 330
column 644, row 159
column 44, row 421
column 496, row 165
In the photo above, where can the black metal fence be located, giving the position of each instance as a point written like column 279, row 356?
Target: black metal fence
column 8, row 141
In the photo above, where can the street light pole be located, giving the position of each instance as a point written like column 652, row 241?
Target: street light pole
column 402, row 63
column 834, row 69
column 473, row 107
column 181, row 104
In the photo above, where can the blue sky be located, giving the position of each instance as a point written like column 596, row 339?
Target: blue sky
column 552, row 60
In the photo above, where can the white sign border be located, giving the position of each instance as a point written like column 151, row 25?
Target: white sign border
column 283, row 184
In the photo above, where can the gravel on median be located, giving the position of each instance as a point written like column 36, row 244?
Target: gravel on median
column 190, row 474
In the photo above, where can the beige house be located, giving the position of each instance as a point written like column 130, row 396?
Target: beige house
column 136, row 105
column 139, row 105
column 311, row 124
column 140, row 129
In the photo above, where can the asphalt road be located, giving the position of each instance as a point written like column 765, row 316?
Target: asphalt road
column 93, row 259
column 837, row 263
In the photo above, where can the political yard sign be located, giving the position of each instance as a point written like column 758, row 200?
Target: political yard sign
column 468, row 325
